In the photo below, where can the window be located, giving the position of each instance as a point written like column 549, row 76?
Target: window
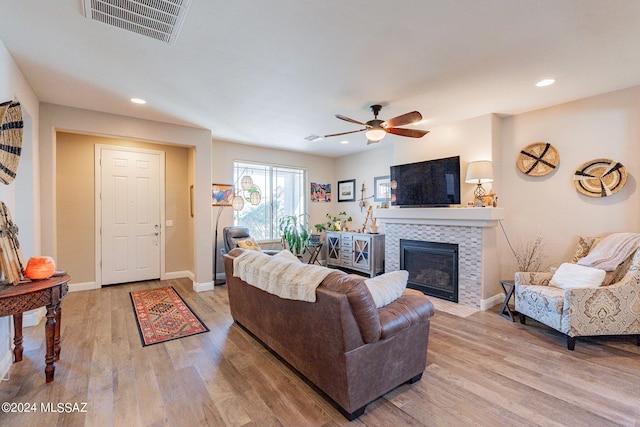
column 283, row 193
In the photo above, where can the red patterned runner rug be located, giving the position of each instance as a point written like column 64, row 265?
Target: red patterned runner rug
column 162, row 315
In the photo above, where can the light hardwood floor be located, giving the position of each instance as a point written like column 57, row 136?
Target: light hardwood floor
column 481, row 370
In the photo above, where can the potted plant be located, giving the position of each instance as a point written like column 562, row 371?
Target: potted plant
column 335, row 223
column 294, row 233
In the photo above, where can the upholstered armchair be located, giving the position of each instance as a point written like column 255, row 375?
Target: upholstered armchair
column 233, row 235
column 610, row 309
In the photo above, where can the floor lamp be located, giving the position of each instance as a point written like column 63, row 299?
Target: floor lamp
column 215, row 251
column 237, row 202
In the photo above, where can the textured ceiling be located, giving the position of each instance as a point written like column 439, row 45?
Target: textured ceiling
column 273, row 72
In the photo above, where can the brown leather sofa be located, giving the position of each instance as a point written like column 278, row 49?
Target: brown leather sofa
column 345, row 346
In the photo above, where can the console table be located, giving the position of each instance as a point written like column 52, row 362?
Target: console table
column 15, row 300
column 356, row 251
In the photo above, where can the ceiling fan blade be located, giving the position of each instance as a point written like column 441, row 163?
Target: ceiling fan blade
column 402, row 120
column 411, row 133
column 347, row 119
column 345, row 133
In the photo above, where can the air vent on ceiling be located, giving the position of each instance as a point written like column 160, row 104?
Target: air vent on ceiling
column 158, row 19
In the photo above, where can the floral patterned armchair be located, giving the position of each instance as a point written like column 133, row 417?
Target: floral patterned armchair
column 611, row 309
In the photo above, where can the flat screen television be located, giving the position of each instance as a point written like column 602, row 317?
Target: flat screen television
column 429, row 183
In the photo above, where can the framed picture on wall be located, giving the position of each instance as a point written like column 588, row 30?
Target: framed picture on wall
column 381, row 189
column 320, row 193
column 347, row 190
column 221, row 194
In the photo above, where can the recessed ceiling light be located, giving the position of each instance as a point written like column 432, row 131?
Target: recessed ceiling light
column 344, row 141
column 138, row 101
column 545, row 82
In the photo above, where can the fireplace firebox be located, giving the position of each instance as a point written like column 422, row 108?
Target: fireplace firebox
column 432, row 267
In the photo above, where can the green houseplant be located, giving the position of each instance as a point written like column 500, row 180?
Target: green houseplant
column 294, row 232
column 334, row 223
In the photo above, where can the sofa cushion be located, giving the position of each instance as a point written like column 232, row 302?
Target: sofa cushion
column 249, row 244
column 569, row 276
column 387, row 287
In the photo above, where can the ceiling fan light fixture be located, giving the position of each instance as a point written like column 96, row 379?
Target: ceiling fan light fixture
column 375, row 134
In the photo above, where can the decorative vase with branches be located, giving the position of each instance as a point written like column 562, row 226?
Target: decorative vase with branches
column 529, row 255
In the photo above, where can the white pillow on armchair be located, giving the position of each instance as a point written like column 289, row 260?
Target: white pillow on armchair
column 569, row 276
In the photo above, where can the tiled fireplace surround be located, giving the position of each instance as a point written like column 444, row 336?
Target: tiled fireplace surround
column 472, row 229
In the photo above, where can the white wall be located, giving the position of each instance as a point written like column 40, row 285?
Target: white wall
column 21, row 197
column 57, row 117
column 363, row 167
column 319, row 169
column 604, row 126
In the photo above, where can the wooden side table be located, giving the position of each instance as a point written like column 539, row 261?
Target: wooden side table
column 508, row 287
column 314, row 251
column 15, row 300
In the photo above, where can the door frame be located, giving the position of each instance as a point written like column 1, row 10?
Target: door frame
column 98, row 204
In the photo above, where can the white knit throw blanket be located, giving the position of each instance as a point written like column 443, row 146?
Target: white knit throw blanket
column 285, row 277
column 611, row 251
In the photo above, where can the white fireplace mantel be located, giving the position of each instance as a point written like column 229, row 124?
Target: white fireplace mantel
column 469, row 217
column 472, row 229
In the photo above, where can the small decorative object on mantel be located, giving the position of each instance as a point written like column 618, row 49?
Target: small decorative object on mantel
column 489, row 200
column 600, row 178
column 538, row 159
column 10, row 140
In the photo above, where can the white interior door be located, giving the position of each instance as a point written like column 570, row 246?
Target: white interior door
column 130, row 216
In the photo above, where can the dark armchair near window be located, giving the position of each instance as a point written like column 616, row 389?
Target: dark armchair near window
column 233, row 235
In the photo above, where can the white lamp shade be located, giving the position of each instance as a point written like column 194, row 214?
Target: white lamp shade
column 246, row 182
column 479, row 172
column 255, row 198
column 238, row 203
column 375, row 134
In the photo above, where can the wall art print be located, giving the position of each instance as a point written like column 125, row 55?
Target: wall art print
column 347, row 190
column 221, row 194
column 320, row 193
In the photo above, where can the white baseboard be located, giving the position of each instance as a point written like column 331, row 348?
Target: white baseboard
column 201, row 287
column 86, row 286
column 5, row 364
column 178, row 275
column 33, row 317
column 486, row 304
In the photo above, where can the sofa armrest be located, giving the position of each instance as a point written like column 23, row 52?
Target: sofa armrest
column 408, row 310
column 533, row 278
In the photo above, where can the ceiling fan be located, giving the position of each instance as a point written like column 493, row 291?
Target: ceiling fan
column 377, row 129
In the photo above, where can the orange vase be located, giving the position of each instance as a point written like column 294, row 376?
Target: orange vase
column 40, row 267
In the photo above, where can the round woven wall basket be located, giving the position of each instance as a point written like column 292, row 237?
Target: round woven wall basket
column 10, row 140
column 538, row 159
column 600, row 178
